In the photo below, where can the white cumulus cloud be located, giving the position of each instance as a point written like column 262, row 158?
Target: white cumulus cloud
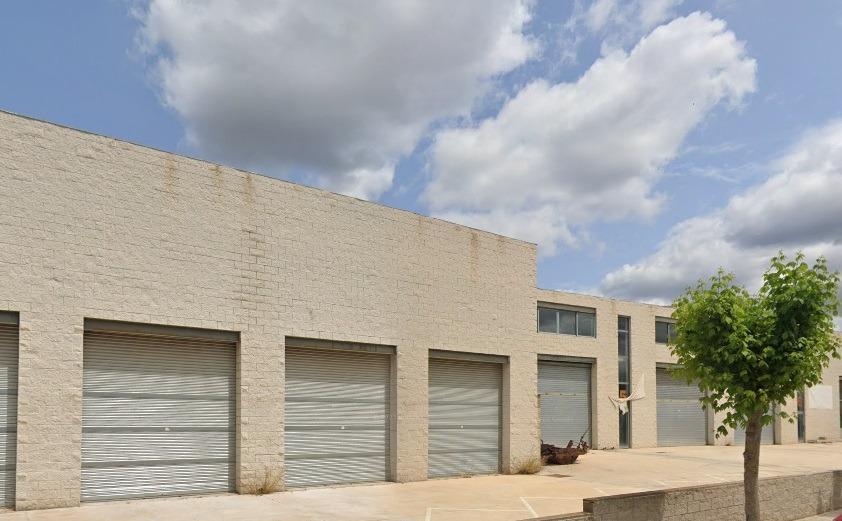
column 569, row 154
column 617, row 22
column 334, row 90
column 796, row 208
column 627, row 17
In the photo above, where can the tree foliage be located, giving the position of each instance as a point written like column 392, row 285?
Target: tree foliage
column 751, row 352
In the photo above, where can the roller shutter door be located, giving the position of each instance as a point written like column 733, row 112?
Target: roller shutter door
column 565, row 401
column 336, row 424
column 767, row 435
column 8, row 411
column 465, row 417
column 159, row 416
column 681, row 418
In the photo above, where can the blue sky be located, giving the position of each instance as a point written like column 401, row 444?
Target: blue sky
column 640, row 144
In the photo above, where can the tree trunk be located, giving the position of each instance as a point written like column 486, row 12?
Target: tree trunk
column 751, row 466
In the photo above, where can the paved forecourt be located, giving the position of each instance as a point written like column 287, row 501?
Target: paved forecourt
column 557, row 489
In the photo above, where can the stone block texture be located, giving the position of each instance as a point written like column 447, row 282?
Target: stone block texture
column 645, row 354
column 824, row 424
column 93, row 227
column 821, row 424
column 98, row 228
column 581, row 516
column 782, row 499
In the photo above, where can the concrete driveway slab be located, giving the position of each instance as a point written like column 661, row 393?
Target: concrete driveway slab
column 557, row 489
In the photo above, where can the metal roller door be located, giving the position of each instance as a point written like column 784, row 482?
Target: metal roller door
column 681, row 418
column 159, row 415
column 767, row 435
column 336, row 424
column 565, row 400
column 8, row 410
column 465, row 410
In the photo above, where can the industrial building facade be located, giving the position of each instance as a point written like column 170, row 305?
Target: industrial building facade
column 169, row 326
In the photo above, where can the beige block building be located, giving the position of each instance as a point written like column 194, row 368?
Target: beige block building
column 171, row 326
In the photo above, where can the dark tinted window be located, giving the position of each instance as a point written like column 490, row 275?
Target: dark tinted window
column 664, row 332
column 622, row 344
column 622, row 323
column 567, row 322
column 547, row 320
column 587, row 324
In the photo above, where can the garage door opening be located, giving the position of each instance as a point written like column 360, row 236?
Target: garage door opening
column 564, row 390
column 158, row 411
column 8, row 406
column 682, row 421
column 767, row 435
column 336, row 415
column 465, row 411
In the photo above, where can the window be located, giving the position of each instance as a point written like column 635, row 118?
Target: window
column 664, row 331
column 586, row 324
column 623, row 377
column 802, row 424
column 566, row 321
column 547, row 320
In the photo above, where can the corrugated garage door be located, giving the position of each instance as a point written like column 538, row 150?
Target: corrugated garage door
column 565, row 400
column 159, row 415
column 465, row 417
column 767, row 436
column 336, row 424
column 681, row 418
column 8, row 407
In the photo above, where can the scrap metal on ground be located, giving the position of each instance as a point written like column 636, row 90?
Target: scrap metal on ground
column 554, row 455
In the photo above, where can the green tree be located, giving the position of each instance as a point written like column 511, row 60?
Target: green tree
column 749, row 353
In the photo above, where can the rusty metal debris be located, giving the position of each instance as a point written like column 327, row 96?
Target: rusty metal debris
column 554, row 455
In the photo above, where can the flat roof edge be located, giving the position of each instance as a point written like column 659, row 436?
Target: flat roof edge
column 602, row 297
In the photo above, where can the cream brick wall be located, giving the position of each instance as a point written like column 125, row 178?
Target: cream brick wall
column 819, row 423
column 49, row 405
column 94, row 227
column 786, row 498
column 645, row 353
column 825, row 423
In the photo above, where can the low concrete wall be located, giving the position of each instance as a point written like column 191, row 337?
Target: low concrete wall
column 785, row 498
column 580, row 516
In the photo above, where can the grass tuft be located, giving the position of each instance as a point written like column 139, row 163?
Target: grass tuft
column 531, row 465
column 271, row 483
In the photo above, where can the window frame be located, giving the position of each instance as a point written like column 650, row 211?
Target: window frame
column 670, row 330
column 558, row 314
column 624, row 361
column 557, row 308
column 578, row 328
column 538, row 317
column 625, row 358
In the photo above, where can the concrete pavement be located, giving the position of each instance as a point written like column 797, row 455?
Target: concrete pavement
column 557, row 489
column 824, row 517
